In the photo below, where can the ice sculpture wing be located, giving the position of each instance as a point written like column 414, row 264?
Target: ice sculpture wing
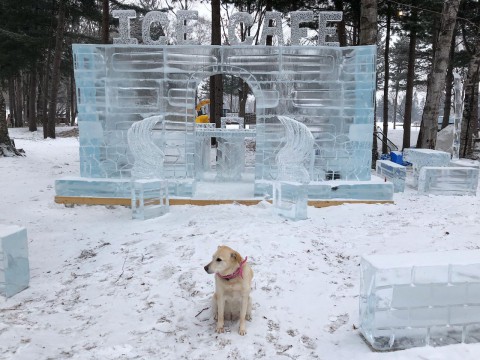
column 296, row 152
column 148, row 156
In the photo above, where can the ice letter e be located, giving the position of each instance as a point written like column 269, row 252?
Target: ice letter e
column 148, row 20
column 124, row 17
column 237, row 18
column 323, row 31
column 182, row 28
column 298, row 17
column 272, row 30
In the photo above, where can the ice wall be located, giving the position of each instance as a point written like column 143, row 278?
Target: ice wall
column 329, row 89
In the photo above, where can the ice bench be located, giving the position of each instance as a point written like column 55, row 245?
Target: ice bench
column 425, row 157
column 419, row 299
column 392, row 172
column 448, row 180
column 14, row 267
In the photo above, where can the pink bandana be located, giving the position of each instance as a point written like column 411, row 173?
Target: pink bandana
column 236, row 273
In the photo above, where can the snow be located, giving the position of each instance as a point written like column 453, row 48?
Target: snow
column 104, row 286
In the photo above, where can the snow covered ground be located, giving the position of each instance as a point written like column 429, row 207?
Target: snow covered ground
column 106, row 287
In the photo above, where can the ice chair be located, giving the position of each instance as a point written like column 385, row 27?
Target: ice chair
column 149, row 189
column 290, row 195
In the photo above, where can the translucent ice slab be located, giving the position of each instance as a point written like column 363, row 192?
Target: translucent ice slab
column 409, row 300
column 149, row 198
column 14, row 265
column 290, row 200
column 393, row 172
column 448, row 180
column 425, row 157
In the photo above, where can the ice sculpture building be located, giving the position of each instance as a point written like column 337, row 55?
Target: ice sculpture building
column 329, row 89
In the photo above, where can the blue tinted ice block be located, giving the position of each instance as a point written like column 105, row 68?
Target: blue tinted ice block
column 393, row 172
column 396, row 157
column 149, row 198
column 419, row 299
column 425, row 157
column 290, row 200
column 14, row 265
column 448, row 180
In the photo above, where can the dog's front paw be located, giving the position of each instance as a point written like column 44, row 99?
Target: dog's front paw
column 220, row 329
column 248, row 317
column 242, row 331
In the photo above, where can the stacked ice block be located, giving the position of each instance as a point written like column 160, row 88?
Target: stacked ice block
column 393, row 172
column 14, row 265
column 420, row 299
column 290, row 200
column 425, row 157
column 448, row 180
column 149, row 198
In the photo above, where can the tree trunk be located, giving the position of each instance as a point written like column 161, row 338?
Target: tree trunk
column 407, row 120
column 385, row 86
column 368, row 36
column 44, row 94
column 448, row 86
column 7, row 147
column 73, row 112
column 18, row 101
column 342, row 38
column 216, row 83
column 243, row 96
column 470, row 104
column 368, row 22
column 105, row 21
column 32, row 102
column 52, row 106
column 436, row 80
column 11, row 98
column 395, row 104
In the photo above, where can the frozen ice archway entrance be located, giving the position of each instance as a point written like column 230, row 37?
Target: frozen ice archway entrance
column 226, row 169
column 329, row 89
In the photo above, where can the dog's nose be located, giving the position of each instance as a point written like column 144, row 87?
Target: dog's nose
column 206, row 268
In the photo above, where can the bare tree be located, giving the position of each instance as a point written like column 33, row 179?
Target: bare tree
column 470, row 103
column 216, row 83
column 52, row 108
column 436, row 79
column 368, row 36
column 7, row 147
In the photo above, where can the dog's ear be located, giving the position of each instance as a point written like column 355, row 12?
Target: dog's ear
column 236, row 256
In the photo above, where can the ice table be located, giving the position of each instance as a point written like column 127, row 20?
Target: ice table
column 14, row 266
column 419, row 299
column 425, row 157
column 448, row 180
column 393, row 172
column 230, row 151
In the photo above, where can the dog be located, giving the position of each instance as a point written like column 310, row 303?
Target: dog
column 233, row 283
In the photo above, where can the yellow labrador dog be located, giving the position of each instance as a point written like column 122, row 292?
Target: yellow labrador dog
column 233, row 282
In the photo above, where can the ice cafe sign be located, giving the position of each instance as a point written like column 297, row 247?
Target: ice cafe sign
column 185, row 18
